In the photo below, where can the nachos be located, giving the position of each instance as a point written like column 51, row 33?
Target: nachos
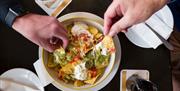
column 86, row 56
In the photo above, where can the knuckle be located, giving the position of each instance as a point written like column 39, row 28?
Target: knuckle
column 52, row 18
column 119, row 25
column 117, row 29
column 133, row 16
column 136, row 17
column 54, row 26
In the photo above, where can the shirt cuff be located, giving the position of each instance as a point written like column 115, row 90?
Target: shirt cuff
column 4, row 9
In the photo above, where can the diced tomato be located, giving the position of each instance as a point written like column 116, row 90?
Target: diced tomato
column 93, row 72
column 85, row 39
column 76, row 58
column 60, row 74
column 75, row 38
column 111, row 50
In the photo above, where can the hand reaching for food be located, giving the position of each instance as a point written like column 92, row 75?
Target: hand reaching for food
column 122, row 14
column 44, row 31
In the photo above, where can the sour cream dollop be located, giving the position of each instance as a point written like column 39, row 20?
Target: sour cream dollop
column 80, row 71
column 102, row 47
column 80, row 28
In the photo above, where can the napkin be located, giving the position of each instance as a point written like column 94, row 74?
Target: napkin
column 42, row 73
column 53, row 7
column 146, row 35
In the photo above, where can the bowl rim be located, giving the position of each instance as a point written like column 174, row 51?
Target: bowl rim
column 77, row 88
column 90, row 86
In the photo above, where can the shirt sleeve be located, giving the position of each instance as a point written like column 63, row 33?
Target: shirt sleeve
column 175, row 9
column 170, row 1
column 4, row 8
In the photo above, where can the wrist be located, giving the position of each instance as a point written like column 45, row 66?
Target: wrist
column 162, row 2
column 14, row 12
column 158, row 4
column 19, row 21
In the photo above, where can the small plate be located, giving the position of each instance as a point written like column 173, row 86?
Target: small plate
column 23, row 76
column 165, row 15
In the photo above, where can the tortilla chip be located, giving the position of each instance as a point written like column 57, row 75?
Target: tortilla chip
column 108, row 42
column 51, row 63
column 93, row 30
column 68, row 69
column 98, row 35
column 78, row 83
column 93, row 80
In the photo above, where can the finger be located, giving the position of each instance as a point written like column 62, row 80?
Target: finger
column 124, row 31
column 110, row 13
column 48, row 46
column 57, row 43
column 62, row 27
column 121, row 25
column 108, row 16
column 54, row 40
column 61, row 34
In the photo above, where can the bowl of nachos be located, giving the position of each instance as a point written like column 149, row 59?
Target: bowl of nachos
column 88, row 59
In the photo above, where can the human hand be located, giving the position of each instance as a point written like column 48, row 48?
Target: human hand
column 45, row 31
column 122, row 14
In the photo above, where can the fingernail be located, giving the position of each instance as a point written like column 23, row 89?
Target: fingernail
column 110, row 34
column 124, row 31
column 64, row 47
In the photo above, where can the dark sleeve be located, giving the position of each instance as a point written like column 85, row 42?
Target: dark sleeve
column 4, row 7
column 172, row 1
column 175, row 8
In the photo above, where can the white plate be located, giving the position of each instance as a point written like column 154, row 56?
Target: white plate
column 112, row 73
column 166, row 15
column 23, row 76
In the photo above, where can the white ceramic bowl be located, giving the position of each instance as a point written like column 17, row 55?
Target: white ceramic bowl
column 69, row 87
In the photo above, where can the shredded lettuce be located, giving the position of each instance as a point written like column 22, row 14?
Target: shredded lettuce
column 59, row 57
column 101, row 61
column 51, row 63
column 89, row 60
